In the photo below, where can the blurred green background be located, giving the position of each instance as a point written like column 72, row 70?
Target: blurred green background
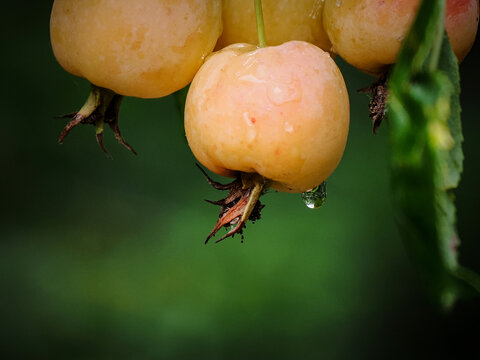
column 104, row 259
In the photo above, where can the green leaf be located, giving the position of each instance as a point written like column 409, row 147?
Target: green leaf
column 426, row 154
column 449, row 66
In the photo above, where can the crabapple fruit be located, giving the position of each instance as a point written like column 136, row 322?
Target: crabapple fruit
column 368, row 34
column 271, row 117
column 281, row 112
column 285, row 20
column 142, row 48
column 461, row 24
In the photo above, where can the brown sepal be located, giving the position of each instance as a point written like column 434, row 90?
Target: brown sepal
column 234, row 207
column 98, row 113
column 378, row 101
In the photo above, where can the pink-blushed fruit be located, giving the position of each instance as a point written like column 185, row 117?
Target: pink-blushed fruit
column 270, row 117
column 461, row 23
column 369, row 33
column 281, row 112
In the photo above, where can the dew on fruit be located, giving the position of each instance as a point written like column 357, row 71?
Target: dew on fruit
column 247, row 119
column 251, row 135
column 249, row 62
column 252, row 79
column 288, row 127
column 316, row 197
column 316, row 10
column 281, row 93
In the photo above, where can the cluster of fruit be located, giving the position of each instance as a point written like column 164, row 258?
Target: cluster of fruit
column 270, row 116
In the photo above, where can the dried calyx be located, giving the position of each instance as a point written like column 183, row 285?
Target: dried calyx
column 241, row 204
column 378, row 92
column 101, row 107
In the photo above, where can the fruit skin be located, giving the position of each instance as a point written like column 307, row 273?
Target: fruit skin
column 281, row 112
column 461, row 23
column 285, row 20
column 368, row 34
column 141, row 48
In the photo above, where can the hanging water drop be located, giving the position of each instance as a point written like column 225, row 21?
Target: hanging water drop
column 316, row 197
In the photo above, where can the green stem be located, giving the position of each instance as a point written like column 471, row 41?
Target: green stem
column 439, row 37
column 260, row 25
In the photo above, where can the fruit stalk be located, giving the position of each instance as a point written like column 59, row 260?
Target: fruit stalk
column 260, row 24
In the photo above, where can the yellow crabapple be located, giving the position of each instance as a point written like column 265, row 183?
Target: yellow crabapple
column 141, row 48
column 285, row 20
column 368, row 34
column 271, row 117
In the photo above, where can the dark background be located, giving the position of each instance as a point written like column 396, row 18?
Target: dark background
column 105, row 259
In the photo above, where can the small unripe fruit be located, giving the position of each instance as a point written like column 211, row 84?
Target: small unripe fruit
column 141, row 48
column 461, row 23
column 285, row 20
column 281, row 112
column 369, row 33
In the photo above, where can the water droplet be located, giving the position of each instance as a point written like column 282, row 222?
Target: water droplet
column 338, row 3
column 252, row 79
column 316, row 9
column 247, row 119
column 251, row 135
column 288, row 127
column 316, row 197
column 282, row 93
column 251, row 132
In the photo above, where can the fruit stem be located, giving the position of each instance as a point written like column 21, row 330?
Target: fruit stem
column 260, row 24
column 439, row 38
